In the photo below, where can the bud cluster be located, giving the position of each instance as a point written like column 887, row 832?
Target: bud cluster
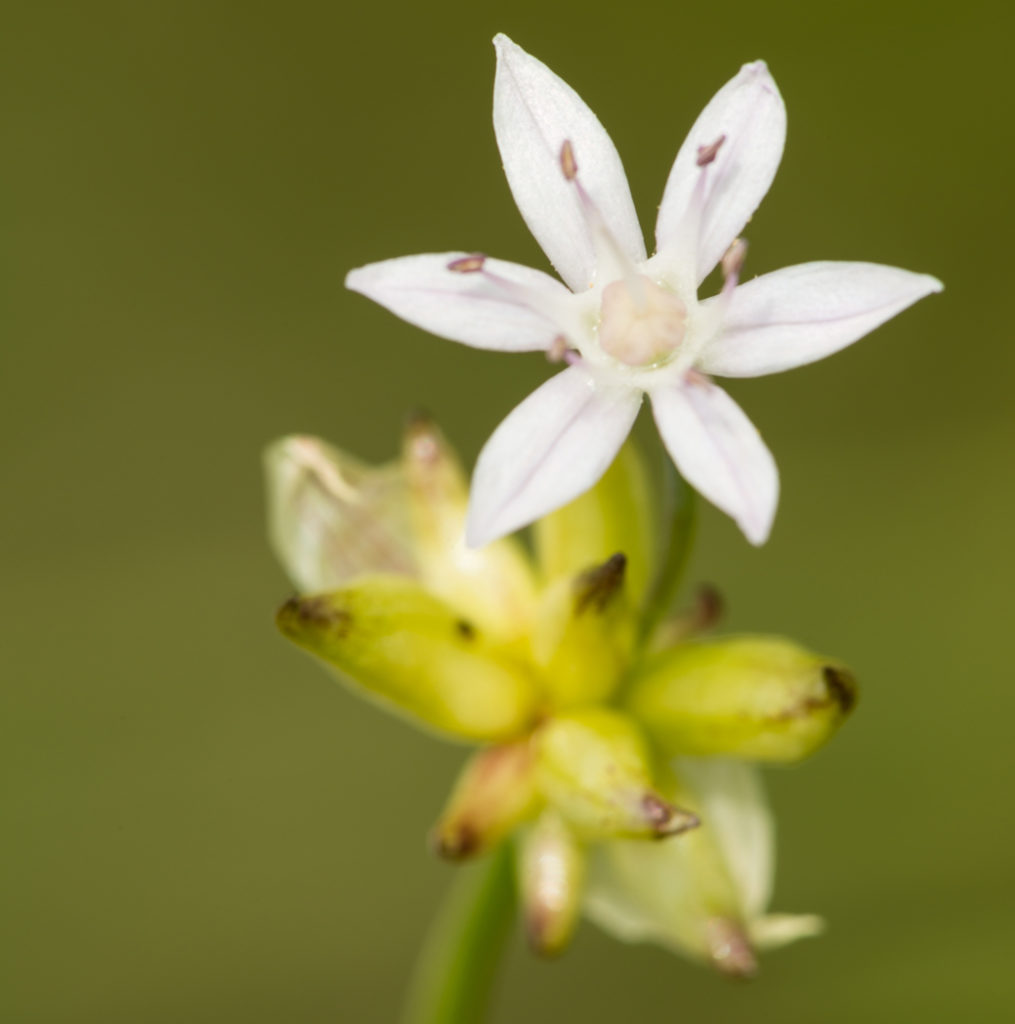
column 620, row 759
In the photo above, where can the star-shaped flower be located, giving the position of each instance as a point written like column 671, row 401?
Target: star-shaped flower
column 626, row 324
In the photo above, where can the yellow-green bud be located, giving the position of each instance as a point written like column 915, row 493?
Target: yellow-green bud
column 584, row 634
column 760, row 698
column 494, row 584
column 494, row 792
column 615, row 515
column 551, row 875
column 594, row 767
column 413, row 651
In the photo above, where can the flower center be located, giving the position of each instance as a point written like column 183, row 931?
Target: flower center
column 640, row 323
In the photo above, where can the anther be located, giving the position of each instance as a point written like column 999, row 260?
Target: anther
column 568, row 164
column 706, row 154
column 733, row 259
column 468, row 264
column 557, row 350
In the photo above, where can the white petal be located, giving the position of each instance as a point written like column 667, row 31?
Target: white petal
column 331, row 518
column 732, row 801
column 534, row 113
column 804, row 313
column 468, row 307
column 719, row 452
column 775, row 930
column 749, row 112
column 550, row 449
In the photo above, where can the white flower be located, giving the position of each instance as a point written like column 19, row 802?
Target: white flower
column 629, row 325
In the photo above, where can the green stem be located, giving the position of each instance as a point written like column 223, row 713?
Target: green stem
column 681, row 503
column 458, row 963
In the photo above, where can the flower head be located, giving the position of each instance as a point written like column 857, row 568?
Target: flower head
column 604, row 747
column 627, row 324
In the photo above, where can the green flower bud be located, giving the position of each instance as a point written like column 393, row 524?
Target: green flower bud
column 594, row 767
column 415, row 653
column 584, row 634
column 551, row 874
column 494, row 793
column 494, row 584
column 760, row 698
column 615, row 515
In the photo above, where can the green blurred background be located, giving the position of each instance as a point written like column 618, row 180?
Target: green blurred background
column 198, row 824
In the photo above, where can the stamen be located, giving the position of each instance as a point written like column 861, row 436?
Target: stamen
column 468, row 264
column 706, row 154
column 611, row 260
column 732, row 263
column 546, row 305
column 557, row 350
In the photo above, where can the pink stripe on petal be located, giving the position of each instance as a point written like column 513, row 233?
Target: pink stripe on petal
column 801, row 314
column 713, row 201
column 719, row 452
column 551, row 448
column 469, row 307
column 534, row 113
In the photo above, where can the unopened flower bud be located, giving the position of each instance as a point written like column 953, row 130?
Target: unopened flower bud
column 551, row 875
column 494, row 792
column 409, row 648
column 761, row 698
column 594, row 767
column 614, row 515
column 584, row 633
column 494, row 584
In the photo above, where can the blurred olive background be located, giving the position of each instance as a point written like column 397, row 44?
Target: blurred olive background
column 198, row 824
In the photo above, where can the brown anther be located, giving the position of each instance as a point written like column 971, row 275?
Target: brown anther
column 468, row 264
column 706, row 154
column 557, row 350
column 568, row 164
column 733, row 259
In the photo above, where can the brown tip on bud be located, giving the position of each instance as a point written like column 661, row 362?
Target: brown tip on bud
column 314, row 612
column 557, row 350
column 706, row 154
column 568, row 164
column 418, row 419
column 841, row 687
column 709, row 607
column 459, row 844
column 596, row 587
column 468, row 264
column 665, row 819
column 539, row 933
column 730, row 949
column 423, row 442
